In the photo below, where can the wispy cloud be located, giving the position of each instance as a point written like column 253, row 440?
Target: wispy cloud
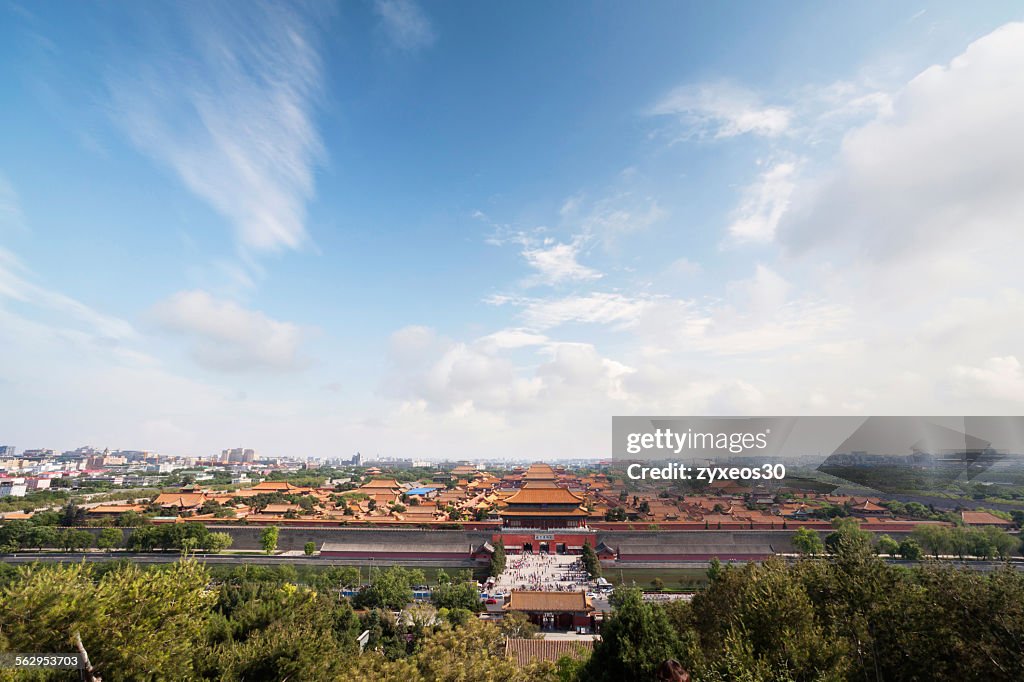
column 722, row 110
column 405, row 24
column 10, row 206
column 556, row 262
column 72, row 315
column 230, row 110
column 763, row 205
column 228, row 337
column 595, row 308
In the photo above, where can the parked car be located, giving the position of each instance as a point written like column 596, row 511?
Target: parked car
column 491, row 600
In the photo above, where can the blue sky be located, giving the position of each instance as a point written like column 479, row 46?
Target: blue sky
column 471, row 229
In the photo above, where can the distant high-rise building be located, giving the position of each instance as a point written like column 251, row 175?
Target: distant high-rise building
column 7, row 451
column 238, row 455
column 357, row 460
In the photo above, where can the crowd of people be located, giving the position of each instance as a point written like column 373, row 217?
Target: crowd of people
column 544, row 572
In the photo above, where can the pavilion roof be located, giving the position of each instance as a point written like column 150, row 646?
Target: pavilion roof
column 544, row 495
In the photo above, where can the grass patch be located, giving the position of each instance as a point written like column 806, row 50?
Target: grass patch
column 675, row 579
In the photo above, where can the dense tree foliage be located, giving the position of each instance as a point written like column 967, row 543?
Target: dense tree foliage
column 136, row 625
column 268, row 539
column 459, row 595
column 846, row 616
column 615, row 514
column 808, row 542
column 850, row 617
column 987, row 543
column 390, row 589
column 590, row 561
column 177, row 536
column 498, row 558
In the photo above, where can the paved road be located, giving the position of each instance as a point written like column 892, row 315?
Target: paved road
column 169, row 557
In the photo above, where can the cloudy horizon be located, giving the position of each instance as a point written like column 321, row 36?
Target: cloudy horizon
column 479, row 231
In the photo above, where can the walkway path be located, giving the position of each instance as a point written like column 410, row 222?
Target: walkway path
column 549, row 572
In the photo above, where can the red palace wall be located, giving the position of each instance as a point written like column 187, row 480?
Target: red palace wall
column 683, row 556
column 573, row 541
column 458, row 556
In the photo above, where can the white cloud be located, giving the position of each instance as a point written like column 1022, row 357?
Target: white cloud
column 71, row 315
column 612, row 309
column 10, row 207
column 999, row 377
column 939, row 174
column 557, row 262
column 405, row 23
column 509, row 339
column 444, row 375
column 685, row 267
column 763, row 205
column 234, row 121
column 612, row 217
column 227, row 337
column 721, row 111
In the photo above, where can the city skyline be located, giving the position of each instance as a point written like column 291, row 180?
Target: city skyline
column 474, row 232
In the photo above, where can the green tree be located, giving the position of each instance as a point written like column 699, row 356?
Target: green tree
column 498, row 558
column 338, row 577
column 461, row 595
column 634, row 641
column 109, row 538
column 615, row 514
column 590, row 560
column 135, row 624
column 218, row 542
column 517, row 625
column 933, row 537
column 390, row 589
column 910, row 550
column 16, row 534
column 808, row 542
column 886, row 545
column 73, row 540
column 46, row 518
column 44, row 536
column 131, row 519
column 848, row 537
column 143, row 539
column 268, row 539
column 309, row 549
column 72, row 515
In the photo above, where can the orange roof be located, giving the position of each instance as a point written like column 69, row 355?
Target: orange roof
column 281, row 508
column 180, row 499
column 540, row 471
column 115, row 508
column 983, row 518
column 274, row 486
column 544, row 495
column 544, row 512
column 526, row 651
column 381, row 483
